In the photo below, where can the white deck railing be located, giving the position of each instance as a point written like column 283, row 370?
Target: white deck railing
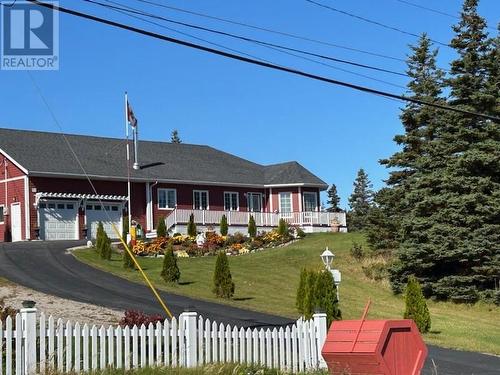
column 31, row 345
column 210, row 217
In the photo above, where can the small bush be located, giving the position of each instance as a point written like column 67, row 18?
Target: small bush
column 191, row 227
column 301, row 291
column 416, row 306
column 99, row 237
column 223, row 225
column 252, row 228
column 161, row 229
column 325, row 296
column 357, row 251
column 138, row 318
column 127, row 259
column 375, row 268
column 170, row 271
column 300, row 233
column 283, row 228
column 223, row 281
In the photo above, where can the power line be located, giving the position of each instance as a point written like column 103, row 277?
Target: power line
column 275, row 47
column 277, row 32
column 260, row 63
column 380, row 24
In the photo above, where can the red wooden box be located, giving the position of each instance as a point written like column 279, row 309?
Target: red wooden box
column 389, row 347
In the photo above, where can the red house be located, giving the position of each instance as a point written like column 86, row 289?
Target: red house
column 44, row 192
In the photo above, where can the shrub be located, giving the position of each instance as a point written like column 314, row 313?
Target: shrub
column 99, row 237
column 309, row 295
column 191, row 227
column 103, row 243
column 325, row 296
column 127, row 259
column 283, row 228
column 301, row 291
column 138, row 318
column 161, row 229
column 357, row 251
column 416, row 306
column 375, row 268
column 213, row 241
column 300, row 233
column 125, row 228
column 170, row 271
column 223, row 281
column 6, row 311
column 223, row 225
column 238, row 237
column 252, row 228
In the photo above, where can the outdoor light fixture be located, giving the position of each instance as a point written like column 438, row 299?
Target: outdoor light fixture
column 327, row 258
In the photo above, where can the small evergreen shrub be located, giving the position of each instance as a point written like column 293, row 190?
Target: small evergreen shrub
column 127, row 259
column 223, row 226
column 416, row 306
column 300, row 233
column 99, row 237
column 283, row 228
column 252, row 228
column 191, row 227
column 309, row 295
column 357, row 251
column 170, row 271
column 223, row 281
column 161, row 229
column 301, row 291
column 325, row 296
column 106, row 249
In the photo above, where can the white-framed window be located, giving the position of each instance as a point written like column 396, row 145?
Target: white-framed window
column 1, row 214
column 167, row 199
column 254, row 202
column 286, row 202
column 310, row 201
column 200, row 199
column 231, row 201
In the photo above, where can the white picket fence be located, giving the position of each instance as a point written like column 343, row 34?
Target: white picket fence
column 31, row 344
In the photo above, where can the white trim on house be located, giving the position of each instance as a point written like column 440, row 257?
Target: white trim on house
column 166, row 198
column 12, row 179
column 27, row 234
column 270, row 199
column 300, row 198
column 13, row 161
column 2, row 220
column 230, row 200
column 148, row 206
column 208, row 199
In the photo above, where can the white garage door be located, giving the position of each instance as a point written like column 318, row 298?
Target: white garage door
column 58, row 220
column 111, row 215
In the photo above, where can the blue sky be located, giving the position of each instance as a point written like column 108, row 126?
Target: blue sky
column 261, row 115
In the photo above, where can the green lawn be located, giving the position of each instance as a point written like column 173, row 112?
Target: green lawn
column 267, row 281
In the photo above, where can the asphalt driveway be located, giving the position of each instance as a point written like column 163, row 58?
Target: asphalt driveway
column 47, row 267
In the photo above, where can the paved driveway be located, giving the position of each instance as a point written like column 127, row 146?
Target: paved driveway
column 49, row 268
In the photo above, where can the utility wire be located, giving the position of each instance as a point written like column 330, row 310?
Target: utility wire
column 261, row 63
column 277, row 32
column 267, row 45
column 380, row 24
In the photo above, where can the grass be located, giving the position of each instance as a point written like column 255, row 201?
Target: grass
column 267, row 281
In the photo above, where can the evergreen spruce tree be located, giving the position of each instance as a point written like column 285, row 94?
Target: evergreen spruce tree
column 223, row 226
column 191, row 227
column 301, row 291
column 161, row 229
column 99, row 238
column 416, row 306
column 127, row 259
column 333, row 199
column 325, row 294
column 283, row 228
column 170, row 271
column 174, row 137
column 223, row 282
column 310, row 297
column 105, row 249
column 360, row 201
column 252, row 228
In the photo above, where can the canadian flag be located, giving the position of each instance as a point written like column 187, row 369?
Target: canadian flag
column 130, row 115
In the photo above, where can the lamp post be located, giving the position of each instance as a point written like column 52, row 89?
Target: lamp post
column 327, row 258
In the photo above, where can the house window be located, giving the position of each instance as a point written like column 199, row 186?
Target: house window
column 1, row 214
column 254, row 202
column 200, row 199
column 286, row 202
column 167, row 198
column 231, row 201
column 310, row 201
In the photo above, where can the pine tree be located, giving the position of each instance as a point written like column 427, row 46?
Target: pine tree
column 333, row 199
column 223, row 226
column 252, row 228
column 416, row 306
column 161, row 229
column 127, row 259
column 301, row 291
column 104, row 249
column 170, row 271
column 174, row 137
column 325, row 296
column 360, row 201
column 99, row 238
column 223, row 282
column 191, row 227
column 309, row 295
column 283, row 228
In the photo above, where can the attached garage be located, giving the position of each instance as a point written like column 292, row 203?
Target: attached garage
column 58, row 220
column 108, row 214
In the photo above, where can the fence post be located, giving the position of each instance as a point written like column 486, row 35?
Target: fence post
column 28, row 317
column 189, row 321
column 321, row 328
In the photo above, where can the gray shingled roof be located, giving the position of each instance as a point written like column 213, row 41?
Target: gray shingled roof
column 43, row 153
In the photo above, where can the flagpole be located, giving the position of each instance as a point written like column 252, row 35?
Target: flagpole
column 128, row 164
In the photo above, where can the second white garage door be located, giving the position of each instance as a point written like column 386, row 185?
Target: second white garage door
column 109, row 216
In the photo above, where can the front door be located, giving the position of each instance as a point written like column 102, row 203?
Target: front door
column 15, row 222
